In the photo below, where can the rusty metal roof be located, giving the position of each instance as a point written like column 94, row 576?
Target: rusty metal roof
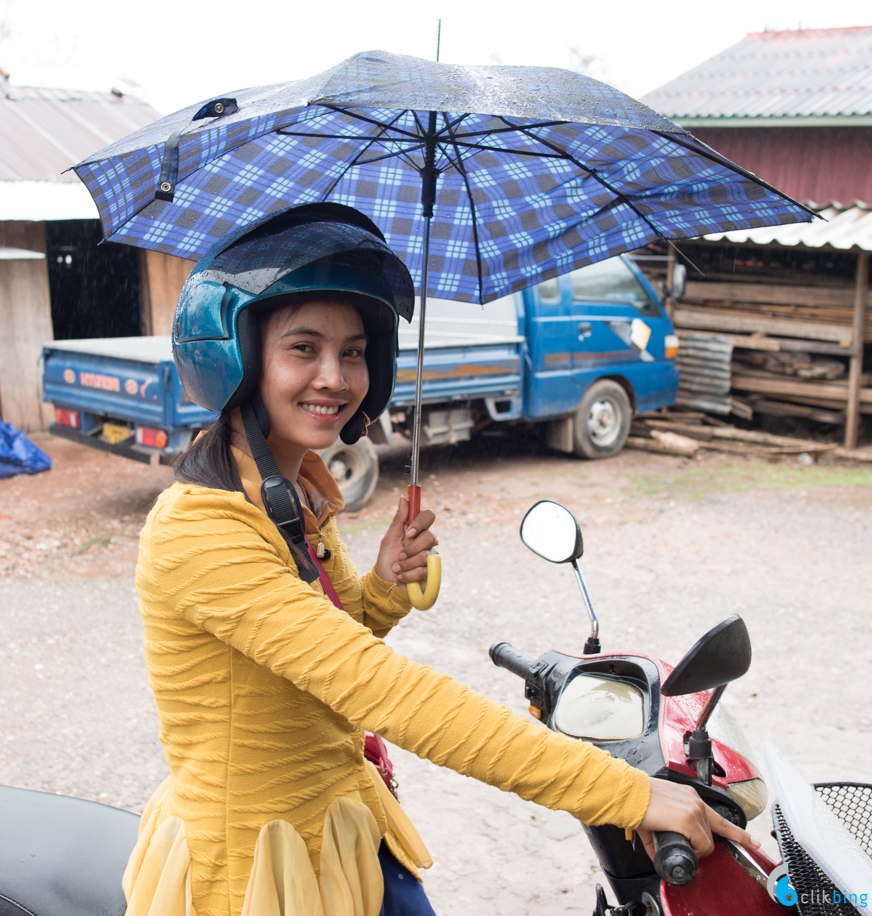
column 45, row 131
column 845, row 229
column 811, row 77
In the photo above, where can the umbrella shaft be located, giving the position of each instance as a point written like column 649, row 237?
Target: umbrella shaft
column 419, row 378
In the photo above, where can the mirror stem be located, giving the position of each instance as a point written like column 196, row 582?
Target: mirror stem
column 592, row 645
column 709, row 707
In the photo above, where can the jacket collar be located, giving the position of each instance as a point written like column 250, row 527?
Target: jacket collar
column 318, row 482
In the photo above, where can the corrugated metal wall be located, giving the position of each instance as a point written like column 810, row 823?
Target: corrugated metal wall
column 816, row 164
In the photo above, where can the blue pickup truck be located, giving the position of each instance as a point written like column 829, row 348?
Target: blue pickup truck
column 578, row 355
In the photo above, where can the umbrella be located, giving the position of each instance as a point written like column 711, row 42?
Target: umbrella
column 531, row 172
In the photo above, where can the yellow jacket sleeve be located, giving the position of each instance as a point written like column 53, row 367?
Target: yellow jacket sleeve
column 219, row 563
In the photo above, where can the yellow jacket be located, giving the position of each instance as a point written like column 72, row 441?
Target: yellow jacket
column 263, row 690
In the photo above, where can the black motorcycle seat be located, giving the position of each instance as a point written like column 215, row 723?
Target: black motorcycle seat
column 62, row 856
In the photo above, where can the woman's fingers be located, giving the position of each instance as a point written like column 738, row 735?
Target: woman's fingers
column 422, row 522
column 679, row 809
column 724, row 828
column 412, row 569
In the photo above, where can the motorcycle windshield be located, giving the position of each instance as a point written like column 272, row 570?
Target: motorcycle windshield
column 820, row 833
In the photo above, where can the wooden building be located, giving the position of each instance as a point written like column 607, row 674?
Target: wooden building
column 57, row 281
column 794, row 108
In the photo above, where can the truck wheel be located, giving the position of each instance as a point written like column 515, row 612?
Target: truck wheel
column 602, row 420
column 355, row 468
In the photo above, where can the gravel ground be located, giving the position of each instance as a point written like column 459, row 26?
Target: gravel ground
column 672, row 547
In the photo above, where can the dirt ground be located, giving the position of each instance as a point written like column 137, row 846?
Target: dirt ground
column 672, row 547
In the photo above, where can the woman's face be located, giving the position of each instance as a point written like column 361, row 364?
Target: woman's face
column 314, row 372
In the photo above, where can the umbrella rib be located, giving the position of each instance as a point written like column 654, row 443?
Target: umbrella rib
column 623, row 198
column 402, row 152
column 349, row 112
column 513, row 152
column 293, row 133
column 505, row 130
column 355, row 161
column 460, row 168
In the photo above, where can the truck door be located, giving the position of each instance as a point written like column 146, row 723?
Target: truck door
column 619, row 329
column 549, row 389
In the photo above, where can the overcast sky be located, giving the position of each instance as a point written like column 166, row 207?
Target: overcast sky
column 175, row 52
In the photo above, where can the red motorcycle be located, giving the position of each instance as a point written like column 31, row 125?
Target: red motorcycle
column 60, row 855
column 668, row 722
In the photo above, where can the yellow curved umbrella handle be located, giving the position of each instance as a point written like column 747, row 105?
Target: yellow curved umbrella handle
column 424, row 600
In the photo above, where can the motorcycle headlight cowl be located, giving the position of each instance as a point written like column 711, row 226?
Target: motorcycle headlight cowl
column 601, row 709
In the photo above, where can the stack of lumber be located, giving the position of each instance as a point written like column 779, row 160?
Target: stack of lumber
column 704, row 372
column 791, row 343
column 685, row 434
column 823, row 313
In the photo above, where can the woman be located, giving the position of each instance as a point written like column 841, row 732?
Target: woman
column 265, row 650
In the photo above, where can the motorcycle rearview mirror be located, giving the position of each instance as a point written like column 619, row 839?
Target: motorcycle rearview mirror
column 679, row 281
column 721, row 656
column 552, row 532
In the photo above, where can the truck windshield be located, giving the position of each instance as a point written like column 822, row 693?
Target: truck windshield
column 613, row 281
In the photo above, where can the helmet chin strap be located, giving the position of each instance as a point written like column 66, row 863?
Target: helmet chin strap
column 279, row 496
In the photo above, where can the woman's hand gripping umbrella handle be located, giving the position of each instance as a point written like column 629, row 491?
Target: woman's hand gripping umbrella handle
column 423, row 600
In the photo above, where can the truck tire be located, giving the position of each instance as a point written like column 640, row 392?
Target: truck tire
column 602, row 420
column 355, row 469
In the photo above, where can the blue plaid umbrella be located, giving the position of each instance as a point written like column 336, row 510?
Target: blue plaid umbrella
column 532, row 172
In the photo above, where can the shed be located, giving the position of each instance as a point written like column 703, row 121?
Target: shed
column 56, row 280
column 794, row 108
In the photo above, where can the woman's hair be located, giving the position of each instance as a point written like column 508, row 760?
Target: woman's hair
column 207, row 462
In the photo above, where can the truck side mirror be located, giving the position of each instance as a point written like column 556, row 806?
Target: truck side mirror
column 679, row 281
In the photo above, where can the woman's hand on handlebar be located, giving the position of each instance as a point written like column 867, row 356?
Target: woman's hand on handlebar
column 679, row 809
column 400, row 562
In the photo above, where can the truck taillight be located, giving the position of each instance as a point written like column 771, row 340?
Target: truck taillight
column 71, row 418
column 671, row 343
column 151, row 438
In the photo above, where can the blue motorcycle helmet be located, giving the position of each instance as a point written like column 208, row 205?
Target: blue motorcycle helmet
column 283, row 258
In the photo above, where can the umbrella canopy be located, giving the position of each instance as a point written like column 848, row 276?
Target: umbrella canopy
column 534, row 171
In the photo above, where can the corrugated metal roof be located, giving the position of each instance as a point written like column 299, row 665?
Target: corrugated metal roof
column 846, row 228
column 45, row 131
column 819, row 73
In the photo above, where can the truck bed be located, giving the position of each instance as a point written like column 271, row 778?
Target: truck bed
column 470, row 351
column 140, row 349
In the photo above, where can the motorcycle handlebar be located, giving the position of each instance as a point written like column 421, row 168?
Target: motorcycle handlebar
column 504, row 656
column 674, row 859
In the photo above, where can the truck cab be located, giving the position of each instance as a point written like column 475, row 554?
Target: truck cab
column 599, row 348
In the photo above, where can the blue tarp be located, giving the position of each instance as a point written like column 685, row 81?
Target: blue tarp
column 18, row 455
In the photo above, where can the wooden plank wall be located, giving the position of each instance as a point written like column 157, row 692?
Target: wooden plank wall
column 161, row 279
column 25, row 317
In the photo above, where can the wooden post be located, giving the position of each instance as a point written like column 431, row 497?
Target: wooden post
column 25, row 314
column 161, row 279
column 857, row 340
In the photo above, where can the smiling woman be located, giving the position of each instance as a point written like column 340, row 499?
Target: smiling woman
column 266, row 654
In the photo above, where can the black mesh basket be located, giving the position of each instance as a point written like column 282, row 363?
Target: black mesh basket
column 852, row 804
